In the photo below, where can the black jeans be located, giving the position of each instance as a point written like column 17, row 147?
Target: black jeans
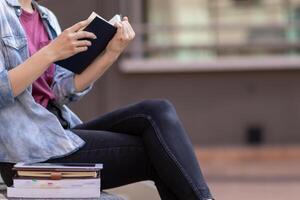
column 143, row 141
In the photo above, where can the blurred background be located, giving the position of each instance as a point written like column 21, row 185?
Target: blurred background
column 230, row 67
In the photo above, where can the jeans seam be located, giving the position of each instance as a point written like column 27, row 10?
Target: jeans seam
column 168, row 151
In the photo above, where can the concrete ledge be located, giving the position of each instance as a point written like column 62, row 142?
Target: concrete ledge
column 223, row 64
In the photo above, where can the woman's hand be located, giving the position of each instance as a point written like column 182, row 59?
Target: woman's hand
column 69, row 42
column 115, row 47
column 123, row 37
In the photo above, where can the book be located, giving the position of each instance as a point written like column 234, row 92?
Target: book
column 58, row 166
column 71, row 180
column 104, row 30
column 88, row 192
column 60, row 174
column 62, row 183
column 58, row 170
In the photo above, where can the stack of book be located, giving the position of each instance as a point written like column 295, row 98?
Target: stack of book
column 56, row 180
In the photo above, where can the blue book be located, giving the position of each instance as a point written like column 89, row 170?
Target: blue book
column 105, row 31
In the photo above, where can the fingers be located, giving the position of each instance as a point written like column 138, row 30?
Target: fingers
column 129, row 31
column 80, row 49
column 79, row 25
column 83, row 43
column 125, row 31
column 125, row 34
column 85, row 35
column 119, row 26
column 132, row 33
column 81, row 46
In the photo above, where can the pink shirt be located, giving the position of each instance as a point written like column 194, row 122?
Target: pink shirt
column 37, row 38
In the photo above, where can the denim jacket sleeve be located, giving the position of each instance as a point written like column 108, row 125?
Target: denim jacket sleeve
column 64, row 88
column 63, row 83
column 6, row 93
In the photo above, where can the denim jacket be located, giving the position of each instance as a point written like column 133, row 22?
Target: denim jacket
column 28, row 131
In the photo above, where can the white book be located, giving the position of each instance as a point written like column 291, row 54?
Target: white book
column 91, row 192
column 62, row 183
column 68, row 166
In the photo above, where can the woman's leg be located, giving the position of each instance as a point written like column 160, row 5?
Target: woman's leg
column 166, row 143
column 158, row 150
column 123, row 156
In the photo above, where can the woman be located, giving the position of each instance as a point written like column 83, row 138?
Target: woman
column 143, row 141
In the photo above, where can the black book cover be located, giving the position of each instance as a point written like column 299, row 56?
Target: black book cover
column 104, row 32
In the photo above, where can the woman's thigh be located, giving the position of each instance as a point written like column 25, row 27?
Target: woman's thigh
column 123, row 157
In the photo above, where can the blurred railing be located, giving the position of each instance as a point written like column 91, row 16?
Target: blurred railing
column 222, row 35
column 285, row 45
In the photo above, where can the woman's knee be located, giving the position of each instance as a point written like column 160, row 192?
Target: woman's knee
column 160, row 110
column 157, row 106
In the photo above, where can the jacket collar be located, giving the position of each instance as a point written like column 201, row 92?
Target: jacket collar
column 17, row 6
column 14, row 3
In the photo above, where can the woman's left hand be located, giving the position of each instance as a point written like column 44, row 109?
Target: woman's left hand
column 123, row 37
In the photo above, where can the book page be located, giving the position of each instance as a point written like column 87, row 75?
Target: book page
column 112, row 21
column 115, row 19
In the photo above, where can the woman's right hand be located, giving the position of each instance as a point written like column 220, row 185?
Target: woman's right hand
column 70, row 42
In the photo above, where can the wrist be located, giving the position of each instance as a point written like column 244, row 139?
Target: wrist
column 112, row 54
column 49, row 55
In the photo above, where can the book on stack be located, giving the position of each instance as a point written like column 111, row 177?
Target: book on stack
column 56, row 180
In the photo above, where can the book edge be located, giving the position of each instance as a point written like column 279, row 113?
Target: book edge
column 93, row 15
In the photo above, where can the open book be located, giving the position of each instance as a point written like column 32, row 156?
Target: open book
column 112, row 21
column 104, row 30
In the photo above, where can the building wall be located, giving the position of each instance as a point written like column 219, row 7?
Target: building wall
column 216, row 108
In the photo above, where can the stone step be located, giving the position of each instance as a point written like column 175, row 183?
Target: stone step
column 248, row 153
column 266, row 163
